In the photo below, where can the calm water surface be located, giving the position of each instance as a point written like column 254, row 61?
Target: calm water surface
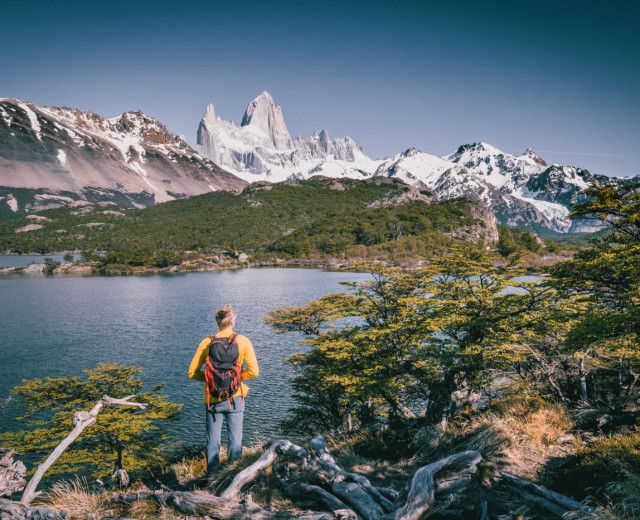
column 55, row 326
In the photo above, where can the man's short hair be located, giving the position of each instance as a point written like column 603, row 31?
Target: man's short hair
column 225, row 316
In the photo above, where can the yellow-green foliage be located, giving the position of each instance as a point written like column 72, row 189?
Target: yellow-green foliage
column 453, row 325
column 606, row 281
column 122, row 436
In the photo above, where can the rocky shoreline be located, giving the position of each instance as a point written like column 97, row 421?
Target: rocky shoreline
column 96, row 269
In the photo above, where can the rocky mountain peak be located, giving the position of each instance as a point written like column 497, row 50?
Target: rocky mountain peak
column 61, row 155
column 410, row 152
column 262, row 114
column 209, row 115
column 536, row 158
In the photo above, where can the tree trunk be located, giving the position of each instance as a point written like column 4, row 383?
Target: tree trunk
column 583, row 378
column 81, row 420
column 550, row 500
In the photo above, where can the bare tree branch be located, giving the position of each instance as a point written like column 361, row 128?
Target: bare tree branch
column 81, row 420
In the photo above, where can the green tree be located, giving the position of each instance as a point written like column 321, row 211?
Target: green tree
column 605, row 279
column 424, row 341
column 121, row 438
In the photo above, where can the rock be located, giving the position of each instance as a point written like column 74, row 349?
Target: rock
column 11, row 475
column 34, row 268
column 29, row 227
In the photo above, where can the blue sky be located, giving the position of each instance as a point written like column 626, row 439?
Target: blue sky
column 560, row 77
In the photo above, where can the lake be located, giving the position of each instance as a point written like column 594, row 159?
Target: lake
column 55, row 326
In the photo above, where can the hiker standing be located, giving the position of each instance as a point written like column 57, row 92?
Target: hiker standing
column 223, row 356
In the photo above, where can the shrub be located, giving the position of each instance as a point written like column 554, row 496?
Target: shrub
column 603, row 465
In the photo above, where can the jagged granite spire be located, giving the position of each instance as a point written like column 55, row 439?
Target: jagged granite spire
column 263, row 114
column 209, row 115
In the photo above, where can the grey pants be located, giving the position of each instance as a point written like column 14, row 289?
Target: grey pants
column 232, row 411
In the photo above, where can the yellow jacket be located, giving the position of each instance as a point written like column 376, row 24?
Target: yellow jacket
column 246, row 355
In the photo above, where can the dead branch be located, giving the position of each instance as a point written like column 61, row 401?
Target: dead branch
column 201, row 504
column 251, row 472
column 550, row 500
column 447, row 476
column 11, row 475
column 319, row 445
column 81, row 420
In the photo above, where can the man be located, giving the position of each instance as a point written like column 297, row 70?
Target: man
column 239, row 350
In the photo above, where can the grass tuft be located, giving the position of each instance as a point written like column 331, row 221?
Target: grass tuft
column 507, row 423
column 75, row 498
column 188, row 470
column 144, row 510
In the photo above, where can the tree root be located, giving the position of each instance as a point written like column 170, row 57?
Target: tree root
column 553, row 502
column 347, row 495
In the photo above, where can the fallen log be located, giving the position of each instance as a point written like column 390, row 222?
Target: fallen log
column 554, row 502
column 449, row 475
column 346, row 490
column 282, row 447
column 303, row 489
column 319, row 445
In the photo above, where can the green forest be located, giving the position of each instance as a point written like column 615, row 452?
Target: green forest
column 380, row 219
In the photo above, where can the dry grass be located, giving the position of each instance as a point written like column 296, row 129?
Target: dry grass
column 75, row 498
column 144, row 510
column 188, row 470
column 508, row 423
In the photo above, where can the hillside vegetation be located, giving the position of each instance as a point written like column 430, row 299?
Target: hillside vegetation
column 375, row 219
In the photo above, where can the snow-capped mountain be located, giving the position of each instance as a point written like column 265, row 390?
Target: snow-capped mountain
column 54, row 156
column 522, row 190
column 476, row 177
column 261, row 147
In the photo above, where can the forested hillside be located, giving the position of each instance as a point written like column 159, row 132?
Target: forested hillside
column 288, row 220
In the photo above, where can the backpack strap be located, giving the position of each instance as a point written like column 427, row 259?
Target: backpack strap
column 211, row 338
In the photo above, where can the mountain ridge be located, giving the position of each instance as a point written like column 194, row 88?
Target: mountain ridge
column 54, row 156
column 63, row 154
column 523, row 190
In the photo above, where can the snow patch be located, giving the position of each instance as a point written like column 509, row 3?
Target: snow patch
column 47, row 196
column 6, row 117
column 62, row 157
column 33, row 118
column 13, row 203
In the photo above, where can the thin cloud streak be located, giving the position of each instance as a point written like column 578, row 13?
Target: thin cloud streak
column 584, row 153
